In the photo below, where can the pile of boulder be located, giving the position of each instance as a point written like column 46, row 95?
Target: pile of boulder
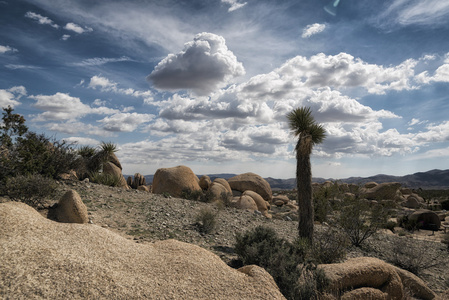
column 246, row 191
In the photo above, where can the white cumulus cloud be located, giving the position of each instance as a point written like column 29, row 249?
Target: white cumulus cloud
column 11, row 97
column 204, row 65
column 125, row 122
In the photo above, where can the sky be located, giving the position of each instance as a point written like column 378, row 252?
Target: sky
column 208, row 83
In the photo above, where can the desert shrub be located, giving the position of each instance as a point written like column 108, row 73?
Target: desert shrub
column 33, row 190
column 90, row 160
column 311, row 282
column 206, row 220
column 196, row 195
column 285, row 261
column 359, row 221
column 322, row 208
column 28, row 153
column 390, row 225
column 226, row 198
column 412, row 256
column 329, row 246
column 104, row 179
column 407, row 224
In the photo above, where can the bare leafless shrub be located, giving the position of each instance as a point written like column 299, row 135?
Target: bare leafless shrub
column 413, row 255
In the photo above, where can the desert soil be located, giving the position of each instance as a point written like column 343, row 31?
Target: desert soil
column 146, row 217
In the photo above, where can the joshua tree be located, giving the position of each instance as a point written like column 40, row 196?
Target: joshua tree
column 309, row 133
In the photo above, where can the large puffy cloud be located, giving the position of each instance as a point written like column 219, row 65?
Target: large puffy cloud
column 11, row 96
column 204, row 65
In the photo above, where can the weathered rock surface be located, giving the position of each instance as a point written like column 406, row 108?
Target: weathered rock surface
column 251, row 182
column 114, row 159
column 427, row 218
column 383, row 191
column 50, row 260
column 246, row 202
column 363, row 272
column 205, row 182
column 219, row 187
column 175, row 180
column 262, row 205
column 415, row 285
column 71, row 209
column 138, row 180
column 112, row 169
column 282, row 198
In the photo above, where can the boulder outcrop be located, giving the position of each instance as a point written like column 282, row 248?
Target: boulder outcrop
column 50, row 260
column 175, row 180
column 137, row 180
column 246, row 202
column 219, row 187
column 427, row 219
column 261, row 204
column 382, row 191
column 364, row 272
column 112, row 169
column 71, row 209
column 205, row 182
column 251, row 182
column 372, row 278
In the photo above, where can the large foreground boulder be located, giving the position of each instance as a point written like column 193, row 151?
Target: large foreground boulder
column 44, row 259
column 251, row 182
column 175, row 181
column 372, row 278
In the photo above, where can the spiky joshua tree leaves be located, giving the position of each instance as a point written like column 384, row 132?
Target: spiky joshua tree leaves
column 309, row 133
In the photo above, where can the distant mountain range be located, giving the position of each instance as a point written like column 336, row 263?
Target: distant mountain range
column 433, row 179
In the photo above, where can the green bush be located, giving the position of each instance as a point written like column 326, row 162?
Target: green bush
column 285, row 261
column 29, row 153
column 34, row 190
column 206, row 220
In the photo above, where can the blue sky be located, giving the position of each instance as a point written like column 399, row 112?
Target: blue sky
column 207, row 84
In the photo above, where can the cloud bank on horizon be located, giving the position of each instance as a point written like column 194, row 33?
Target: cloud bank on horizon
column 209, row 85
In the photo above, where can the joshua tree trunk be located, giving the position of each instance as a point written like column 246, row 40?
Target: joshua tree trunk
column 304, row 187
